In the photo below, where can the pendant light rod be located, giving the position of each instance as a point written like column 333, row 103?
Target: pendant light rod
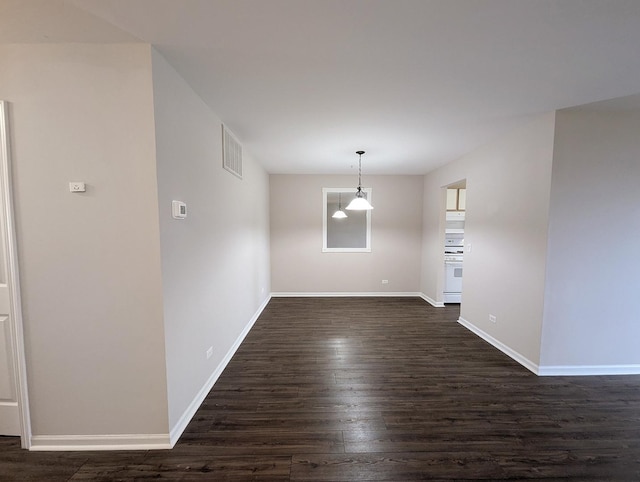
column 359, row 203
column 359, row 169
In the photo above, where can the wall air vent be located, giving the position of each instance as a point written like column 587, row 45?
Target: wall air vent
column 231, row 153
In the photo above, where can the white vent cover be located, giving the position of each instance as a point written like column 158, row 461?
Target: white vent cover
column 231, row 153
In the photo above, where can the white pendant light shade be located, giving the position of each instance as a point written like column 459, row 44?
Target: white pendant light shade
column 339, row 214
column 359, row 203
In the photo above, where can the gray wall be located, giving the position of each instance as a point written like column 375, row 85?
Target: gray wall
column 297, row 261
column 90, row 262
column 592, row 306
column 508, row 186
column 215, row 263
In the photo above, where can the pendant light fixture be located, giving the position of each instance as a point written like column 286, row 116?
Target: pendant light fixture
column 339, row 214
column 359, row 203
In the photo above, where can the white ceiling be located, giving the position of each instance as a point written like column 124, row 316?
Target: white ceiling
column 415, row 83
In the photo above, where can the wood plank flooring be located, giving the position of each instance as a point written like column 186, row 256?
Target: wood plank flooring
column 377, row 389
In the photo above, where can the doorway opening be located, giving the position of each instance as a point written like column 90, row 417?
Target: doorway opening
column 456, row 205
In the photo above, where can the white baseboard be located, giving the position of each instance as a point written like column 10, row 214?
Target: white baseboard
column 432, row 302
column 302, row 294
column 320, row 294
column 549, row 370
column 191, row 410
column 585, row 370
column 524, row 361
column 99, row 442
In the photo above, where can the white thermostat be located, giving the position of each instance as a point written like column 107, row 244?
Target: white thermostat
column 178, row 209
column 77, row 186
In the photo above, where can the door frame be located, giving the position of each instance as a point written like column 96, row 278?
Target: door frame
column 13, row 280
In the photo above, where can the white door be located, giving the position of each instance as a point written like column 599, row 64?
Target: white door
column 12, row 381
column 9, row 414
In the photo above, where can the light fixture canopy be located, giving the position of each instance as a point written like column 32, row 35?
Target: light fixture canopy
column 359, row 203
column 339, row 214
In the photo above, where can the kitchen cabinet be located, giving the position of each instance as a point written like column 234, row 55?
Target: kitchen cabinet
column 452, row 199
column 462, row 199
column 456, row 199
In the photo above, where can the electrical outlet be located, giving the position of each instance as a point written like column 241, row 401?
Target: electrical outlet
column 492, row 318
column 209, row 352
column 385, row 281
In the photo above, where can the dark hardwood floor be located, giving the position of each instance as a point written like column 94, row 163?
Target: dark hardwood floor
column 384, row 389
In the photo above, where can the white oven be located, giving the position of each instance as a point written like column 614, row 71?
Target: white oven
column 453, row 256
column 452, row 279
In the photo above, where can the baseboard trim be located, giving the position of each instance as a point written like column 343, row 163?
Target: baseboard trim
column 586, row 370
column 41, row 443
column 551, row 370
column 319, row 294
column 524, row 361
column 432, row 302
column 191, row 410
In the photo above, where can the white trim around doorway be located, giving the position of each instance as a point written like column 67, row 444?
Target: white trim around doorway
column 13, row 279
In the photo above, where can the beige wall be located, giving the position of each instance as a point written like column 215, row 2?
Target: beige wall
column 90, row 262
column 591, row 305
column 215, row 263
column 297, row 261
column 508, row 185
column 121, row 302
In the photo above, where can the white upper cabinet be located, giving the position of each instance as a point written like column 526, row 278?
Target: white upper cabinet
column 462, row 199
column 456, row 199
column 452, row 199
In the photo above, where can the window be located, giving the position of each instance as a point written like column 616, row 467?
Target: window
column 347, row 235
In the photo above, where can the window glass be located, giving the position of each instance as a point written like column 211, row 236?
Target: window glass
column 347, row 234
